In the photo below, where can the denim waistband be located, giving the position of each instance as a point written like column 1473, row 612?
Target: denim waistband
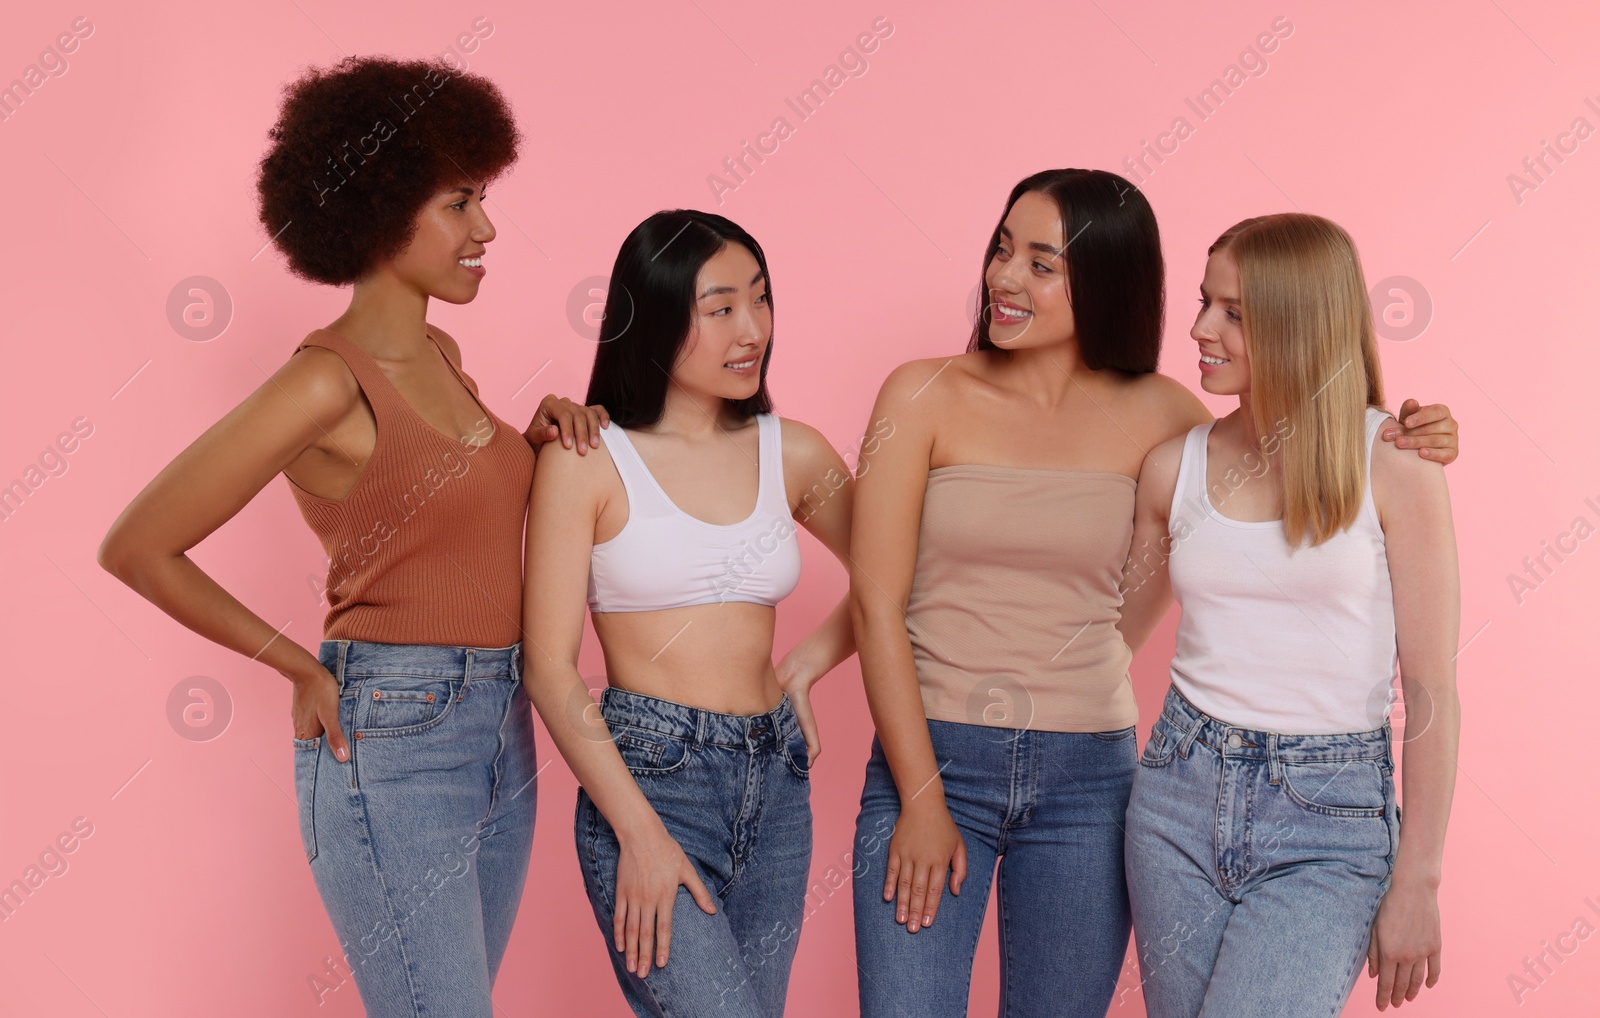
column 1194, row 725
column 705, row 727
column 361, row 657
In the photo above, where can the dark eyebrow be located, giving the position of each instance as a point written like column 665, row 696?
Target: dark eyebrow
column 713, row 291
column 1054, row 252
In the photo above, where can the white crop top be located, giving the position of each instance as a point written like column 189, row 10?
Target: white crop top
column 1297, row 641
column 665, row 558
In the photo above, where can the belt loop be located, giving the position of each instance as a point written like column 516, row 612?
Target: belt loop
column 1274, row 762
column 699, row 728
column 344, row 651
column 1193, row 733
column 462, row 694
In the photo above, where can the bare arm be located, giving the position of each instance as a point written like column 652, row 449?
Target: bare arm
column 890, row 486
column 204, row 487
column 1146, row 585
column 1419, row 535
column 823, row 496
column 569, row 493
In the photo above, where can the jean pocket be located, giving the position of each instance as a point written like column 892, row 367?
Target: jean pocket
column 1116, row 736
column 307, row 754
column 1337, row 788
column 647, row 751
column 796, row 754
column 404, row 704
column 1159, row 748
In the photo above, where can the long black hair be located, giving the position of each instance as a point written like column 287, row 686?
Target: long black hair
column 1115, row 274
column 650, row 304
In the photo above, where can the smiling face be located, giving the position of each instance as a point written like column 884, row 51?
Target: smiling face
column 445, row 256
column 1219, row 329
column 730, row 326
column 1029, row 305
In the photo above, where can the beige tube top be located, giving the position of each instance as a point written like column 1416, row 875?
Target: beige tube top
column 1015, row 601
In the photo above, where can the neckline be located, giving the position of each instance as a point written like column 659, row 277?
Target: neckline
column 428, row 332
column 761, row 479
column 1205, row 491
column 1056, row 471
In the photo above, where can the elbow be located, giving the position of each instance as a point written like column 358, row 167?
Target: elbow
column 871, row 611
column 124, row 558
column 113, row 555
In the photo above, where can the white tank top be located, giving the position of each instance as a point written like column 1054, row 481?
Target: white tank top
column 665, row 558
column 1297, row 641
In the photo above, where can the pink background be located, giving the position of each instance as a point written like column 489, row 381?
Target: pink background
column 134, row 168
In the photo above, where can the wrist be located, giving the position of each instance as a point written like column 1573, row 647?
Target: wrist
column 795, row 673
column 637, row 824
column 928, row 801
column 302, row 673
column 1416, row 876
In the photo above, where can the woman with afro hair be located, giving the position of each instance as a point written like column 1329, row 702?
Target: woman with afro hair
column 413, row 737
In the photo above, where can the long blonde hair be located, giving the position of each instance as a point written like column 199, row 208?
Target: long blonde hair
column 1313, row 362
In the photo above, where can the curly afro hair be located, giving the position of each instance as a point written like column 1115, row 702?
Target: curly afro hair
column 359, row 147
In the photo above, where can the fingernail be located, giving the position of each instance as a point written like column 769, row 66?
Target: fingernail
column 1389, row 433
column 927, row 920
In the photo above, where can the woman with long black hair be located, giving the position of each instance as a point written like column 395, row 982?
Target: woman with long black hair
column 693, row 822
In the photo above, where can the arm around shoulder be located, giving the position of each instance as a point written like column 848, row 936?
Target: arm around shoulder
column 1146, row 584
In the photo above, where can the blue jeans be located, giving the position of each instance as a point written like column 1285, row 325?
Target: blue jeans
column 735, row 792
column 1049, row 807
column 1256, row 861
column 419, row 843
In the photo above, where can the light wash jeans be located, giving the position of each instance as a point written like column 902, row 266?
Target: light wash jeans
column 1256, row 861
column 419, row 844
column 1049, row 806
column 735, row 792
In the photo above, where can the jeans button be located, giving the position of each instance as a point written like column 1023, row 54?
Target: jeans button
column 1234, row 741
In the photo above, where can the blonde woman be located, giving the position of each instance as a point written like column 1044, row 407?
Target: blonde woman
column 1264, row 850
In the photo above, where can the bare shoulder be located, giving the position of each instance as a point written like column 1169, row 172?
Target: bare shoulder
column 319, row 382
column 1166, row 400
column 802, row 441
column 594, row 470
column 1158, row 477
column 807, row 451
column 926, row 377
column 919, row 393
column 447, row 343
column 1400, row 476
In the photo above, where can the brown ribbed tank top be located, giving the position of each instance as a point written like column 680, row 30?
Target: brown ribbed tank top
column 427, row 547
column 1016, row 597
